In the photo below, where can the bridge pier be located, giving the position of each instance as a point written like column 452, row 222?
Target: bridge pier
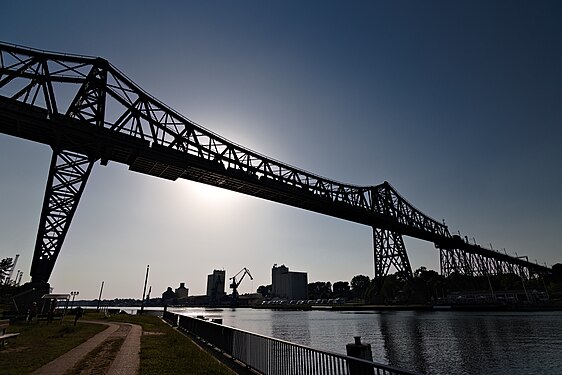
column 68, row 174
column 389, row 251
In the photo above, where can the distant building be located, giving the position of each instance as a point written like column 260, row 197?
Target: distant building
column 168, row 296
column 215, row 284
column 182, row 292
column 250, row 299
column 288, row 285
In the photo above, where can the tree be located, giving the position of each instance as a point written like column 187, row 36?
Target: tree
column 341, row 289
column 264, row 290
column 557, row 272
column 456, row 282
column 320, row 290
column 426, row 285
column 7, row 289
column 6, row 265
column 392, row 290
column 359, row 285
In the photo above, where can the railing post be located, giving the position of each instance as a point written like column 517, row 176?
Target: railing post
column 362, row 351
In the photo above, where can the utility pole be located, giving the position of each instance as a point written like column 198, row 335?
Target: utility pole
column 99, row 299
column 144, row 290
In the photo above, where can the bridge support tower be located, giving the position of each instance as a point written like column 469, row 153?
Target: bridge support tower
column 68, row 175
column 390, row 251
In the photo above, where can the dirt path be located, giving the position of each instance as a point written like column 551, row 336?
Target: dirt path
column 127, row 360
column 115, row 351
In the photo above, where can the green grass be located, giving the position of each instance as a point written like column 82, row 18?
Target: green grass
column 40, row 343
column 163, row 349
column 166, row 351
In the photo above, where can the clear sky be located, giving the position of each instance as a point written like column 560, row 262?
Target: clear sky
column 457, row 104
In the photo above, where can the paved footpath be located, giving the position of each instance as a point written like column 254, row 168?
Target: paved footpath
column 127, row 361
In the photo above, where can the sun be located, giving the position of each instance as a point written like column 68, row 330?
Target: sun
column 211, row 195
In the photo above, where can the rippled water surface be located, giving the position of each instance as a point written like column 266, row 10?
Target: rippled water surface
column 442, row 342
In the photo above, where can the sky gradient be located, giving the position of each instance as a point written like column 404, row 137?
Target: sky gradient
column 457, row 104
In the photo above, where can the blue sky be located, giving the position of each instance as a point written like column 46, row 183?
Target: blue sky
column 456, row 104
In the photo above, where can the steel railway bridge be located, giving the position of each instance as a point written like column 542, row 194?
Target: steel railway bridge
column 86, row 110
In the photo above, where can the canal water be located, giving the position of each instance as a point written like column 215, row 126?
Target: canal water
column 441, row 342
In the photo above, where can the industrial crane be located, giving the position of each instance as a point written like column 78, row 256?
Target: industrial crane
column 234, row 285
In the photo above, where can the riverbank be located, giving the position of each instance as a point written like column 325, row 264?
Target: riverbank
column 414, row 307
column 163, row 349
column 344, row 307
column 157, row 311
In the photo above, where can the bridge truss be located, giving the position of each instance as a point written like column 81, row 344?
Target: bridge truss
column 88, row 111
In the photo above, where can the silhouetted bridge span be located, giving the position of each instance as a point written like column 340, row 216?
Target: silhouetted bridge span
column 88, row 111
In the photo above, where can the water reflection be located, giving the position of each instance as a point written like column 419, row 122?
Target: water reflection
column 429, row 342
column 403, row 339
column 299, row 331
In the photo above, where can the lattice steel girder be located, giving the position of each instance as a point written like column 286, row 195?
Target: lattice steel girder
column 89, row 103
column 390, row 251
column 28, row 73
column 68, row 174
column 173, row 146
column 461, row 262
column 454, row 261
column 445, row 262
column 488, row 256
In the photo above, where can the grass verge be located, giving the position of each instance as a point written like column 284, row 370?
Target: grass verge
column 166, row 351
column 39, row 343
column 163, row 349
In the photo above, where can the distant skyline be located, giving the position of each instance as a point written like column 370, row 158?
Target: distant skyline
column 457, row 104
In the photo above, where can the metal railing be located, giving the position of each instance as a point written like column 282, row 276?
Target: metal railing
column 268, row 355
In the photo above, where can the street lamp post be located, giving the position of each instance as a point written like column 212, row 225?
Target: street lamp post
column 73, row 294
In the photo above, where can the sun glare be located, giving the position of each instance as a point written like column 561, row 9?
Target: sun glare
column 207, row 194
